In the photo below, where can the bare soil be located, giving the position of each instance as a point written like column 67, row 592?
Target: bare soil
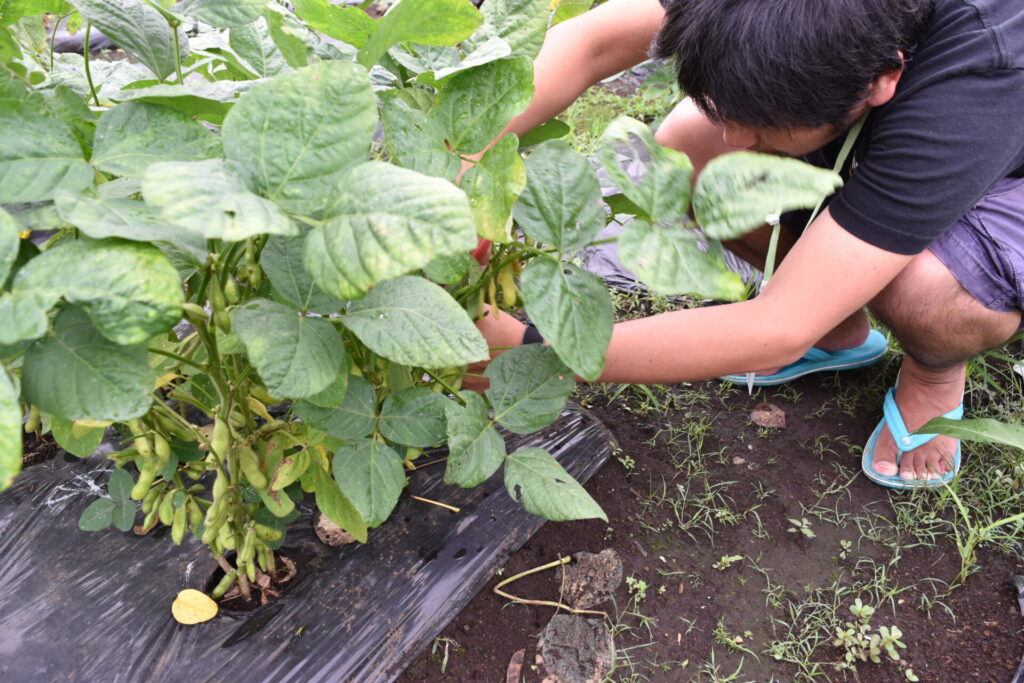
column 699, row 622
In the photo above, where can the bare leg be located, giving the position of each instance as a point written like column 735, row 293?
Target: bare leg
column 940, row 326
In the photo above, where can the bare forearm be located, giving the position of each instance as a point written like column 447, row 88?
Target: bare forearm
column 697, row 344
column 582, row 51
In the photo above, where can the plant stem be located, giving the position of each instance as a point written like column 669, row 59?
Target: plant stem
column 53, row 36
column 446, row 506
column 88, row 72
column 546, row 603
column 447, row 387
column 180, row 359
column 177, row 51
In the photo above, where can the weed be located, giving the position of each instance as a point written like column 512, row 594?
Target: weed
column 727, row 561
column 803, row 526
column 444, row 644
column 637, row 588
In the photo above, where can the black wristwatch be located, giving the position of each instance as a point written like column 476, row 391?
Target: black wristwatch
column 531, row 335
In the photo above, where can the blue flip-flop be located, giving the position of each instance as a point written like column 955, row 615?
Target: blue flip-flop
column 816, row 360
column 905, row 441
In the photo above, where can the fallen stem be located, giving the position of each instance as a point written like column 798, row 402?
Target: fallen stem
column 414, row 466
column 446, row 506
column 543, row 603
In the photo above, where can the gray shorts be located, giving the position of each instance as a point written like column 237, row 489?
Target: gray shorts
column 985, row 248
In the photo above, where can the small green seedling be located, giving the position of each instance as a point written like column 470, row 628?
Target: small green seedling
column 802, row 525
column 727, row 561
column 117, row 509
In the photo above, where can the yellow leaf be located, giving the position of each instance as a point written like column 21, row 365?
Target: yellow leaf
column 89, row 424
column 25, row 234
column 164, row 380
column 193, row 607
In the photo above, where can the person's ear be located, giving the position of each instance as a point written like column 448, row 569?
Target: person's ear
column 883, row 87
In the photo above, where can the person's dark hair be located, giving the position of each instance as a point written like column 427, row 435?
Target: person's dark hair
column 786, row 63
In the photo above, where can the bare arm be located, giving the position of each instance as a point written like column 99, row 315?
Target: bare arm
column 827, row 276
column 584, row 50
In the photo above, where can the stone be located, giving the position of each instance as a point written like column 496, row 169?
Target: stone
column 591, row 579
column 576, row 650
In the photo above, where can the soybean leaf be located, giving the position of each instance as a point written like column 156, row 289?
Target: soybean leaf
column 129, row 219
column 279, row 503
column 490, row 50
column 561, row 204
column 206, row 101
column 567, row 9
column 541, row 484
column 254, row 45
column 222, row 13
column 10, row 428
column 332, row 396
column 139, row 29
column 416, row 142
column 97, row 515
column 529, row 387
column 475, row 449
column 520, row 23
column 982, row 430
column 133, row 135
column 291, row 37
column 670, row 259
column 370, row 475
column 77, row 440
column 736, row 192
column 493, row 185
column 40, row 154
column 448, row 270
column 354, row 418
column 425, row 59
column 552, row 130
column 13, row 10
column 130, row 290
column 413, row 417
column 414, row 322
column 9, row 244
column 123, row 514
column 387, row 221
column 208, row 198
column 295, row 355
column 475, row 105
column 80, row 375
column 298, row 134
column 281, row 260
column 415, row 21
column 573, row 312
column 335, row 506
column 664, row 190
column 23, row 316
column 120, row 485
column 348, row 24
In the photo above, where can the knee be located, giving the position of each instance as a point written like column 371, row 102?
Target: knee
column 935, row 319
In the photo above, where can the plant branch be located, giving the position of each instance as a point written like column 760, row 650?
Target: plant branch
column 88, row 72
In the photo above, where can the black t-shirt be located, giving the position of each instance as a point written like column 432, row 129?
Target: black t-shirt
column 954, row 128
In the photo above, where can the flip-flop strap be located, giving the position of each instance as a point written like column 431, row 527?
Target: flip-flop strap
column 905, row 441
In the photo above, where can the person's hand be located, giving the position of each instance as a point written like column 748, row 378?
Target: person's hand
column 502, row 333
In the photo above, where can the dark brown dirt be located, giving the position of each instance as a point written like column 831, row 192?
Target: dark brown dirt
column 974, row 634
column 36, row 449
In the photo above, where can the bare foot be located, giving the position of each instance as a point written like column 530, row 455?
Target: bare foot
column 922, row 394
